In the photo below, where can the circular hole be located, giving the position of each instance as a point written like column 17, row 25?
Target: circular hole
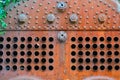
column 1, row 39
column 109, row 46
column 14, row 60
column 73, row 60
column 22, row 60
column 7, row 60
column 80, row 46
column 73, row 67
column 87, row 53
column 102, row 67
column 73, row 53
column 36, row 46
column 50, row 67
column 116, row 53
column 43, row 53
column 94, row 38
column 109, row 53
column 29, row 53
column 51, row 53
column 15, row 46
column 29, row 67
column 29, row 46
column 22, row 46
column 80, row 60
column 116, row 46
column 116, row 60
column 43, row 39
column 36, row 60
column 7, row 68
column 15, row 39
column 22, row 53
column 109, row 67
column 94, row 46
column 95, row 53
column 51, row 39
column 102, row 60
column 36, row 67
column 102, row 46
column 80, row 39
column 36, row 39
column 51, row 60
column 102, row 53
column 22, row 67
column 29, row 60
column 1, row 53
column 14, row 67
column 73, row 39
column 87, row 67
column 87, row 60
column 7, row 46
column 109, row 60
column 22, row 39
column 8, row 39
column 36, row 53
column 95, row 68
column 109, row 39
column 1, row 46
column 51, row 46
column 29, row 39
column 43, row 46
column 80, row 53
column 87, row 39
column 116, row 38
column 8, row 53
column 73, row 46
column 80, row 67
column 101, row 38
column 87, row 46
column 15, row 53
column 117, row 67
column 43, row 68
column 95, row 60
column 43, row 60
column 1, row 67
column 1, row 60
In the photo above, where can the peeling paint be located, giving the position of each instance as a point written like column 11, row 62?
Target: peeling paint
column 118, row 4
column 99, row 78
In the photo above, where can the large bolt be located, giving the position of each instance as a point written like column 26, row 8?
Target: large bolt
column 51, row 18
column 73, row 18
column 62, row 36
column 61, row 6
column 102, row 18
column 22, row 18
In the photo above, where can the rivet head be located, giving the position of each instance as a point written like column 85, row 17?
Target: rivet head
column 51, row 18
column 22, row 18
column 62, row 36
column 102, row 18
column 61, row 6
column 73, row 18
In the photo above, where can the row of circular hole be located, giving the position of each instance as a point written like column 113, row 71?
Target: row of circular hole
column 29, row 46
column 28, row 53
column 95, row 67
column 95, row 53
column 28, row 68
column 94, row 39
column 96, row 60
column 29, row 39
column 27, row 60
column 102, row 46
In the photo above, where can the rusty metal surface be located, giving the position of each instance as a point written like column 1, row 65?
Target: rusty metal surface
column 61, row 40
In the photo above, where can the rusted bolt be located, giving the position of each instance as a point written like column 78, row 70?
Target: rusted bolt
column 22, row 18
column 62, row 36
column 102, row 18
column 61, row 6
column 51, row 18
column 73, row 18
